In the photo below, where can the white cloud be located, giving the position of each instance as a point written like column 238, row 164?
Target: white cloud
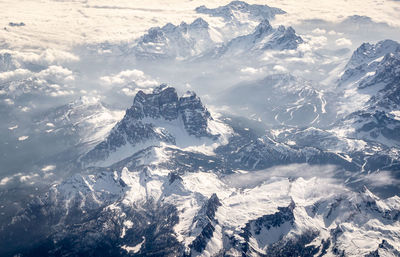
column 305, row 171
column 9, row 101
column 48, row 168
column 4, row 181
column 56, row 73
column 250, row 70
column 49, row 56
column 129, row 76
column 343, row 42
column 58, row 93
column 319, row 31
column 318, row 41
column 279, row 68
column 381, row 178
column 17, row 74
column 23, row 138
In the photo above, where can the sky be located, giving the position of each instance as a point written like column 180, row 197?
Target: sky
column 63, row 24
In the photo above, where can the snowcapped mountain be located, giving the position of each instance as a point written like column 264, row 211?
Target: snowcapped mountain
column 265, row 37
column 86, row 120
column 149, row 210
column 262, row 39
column 239, row 18
column 372, row 81
column 171, row 180
column 160, row 116
column 239, row 11
column 290, row 167
column 368, row 53
column 176, row 42
column 245, row 28
column 280, row 99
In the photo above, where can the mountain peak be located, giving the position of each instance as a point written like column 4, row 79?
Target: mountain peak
column 199, row 23
column 160, row 116
column 367, row 52
column 160, row 88
column 263, row 28
column 230, row 11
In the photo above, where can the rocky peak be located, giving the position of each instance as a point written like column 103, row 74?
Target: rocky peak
column 204, row 224
column 155, row 117
column 164, row 103
column 199, row 23
column 229, row 11
column 387, row 71
column 153, row 35
column 263, row 28
column 194, row 114
column 369, row 52
column 284, row 38
column 161, row 103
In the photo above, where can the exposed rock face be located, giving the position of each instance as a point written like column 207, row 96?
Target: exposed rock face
column 229, row 11
column 171, row 41
column 369, row 52
column 284, row 39
column 374, row 71
column 144, row 121
column 263, row 38
column 194, row 114
column 162, row 103
column 204, row 224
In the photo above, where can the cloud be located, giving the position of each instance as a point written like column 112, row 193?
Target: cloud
column 318, row 41
column 279, row 68
column 127, row 76
column 50, row 56
column 250, row 70
column 29, row 178
column 5, row 181
column 17, row 74
column 319, row 31
column 55, row 56
column 48, row 168
column 334, row 33
column 254, row 178
column 381, row 178
column 9, row 101
column 343, row 42
column 327, row 174
column 23, row 138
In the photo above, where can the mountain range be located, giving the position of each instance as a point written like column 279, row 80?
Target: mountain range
column 291, row 168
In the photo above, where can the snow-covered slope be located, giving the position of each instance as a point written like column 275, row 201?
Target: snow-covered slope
column 292, row 168
column 149, row 210
column 265, row 38
column 243, row 28
column 280, row 99
column 160, row 117
column 169, row 180
column 368, row 53
column 239, row 11
column 239, row 18
column 371, row 84
column 176, row 42
column 86, row 119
